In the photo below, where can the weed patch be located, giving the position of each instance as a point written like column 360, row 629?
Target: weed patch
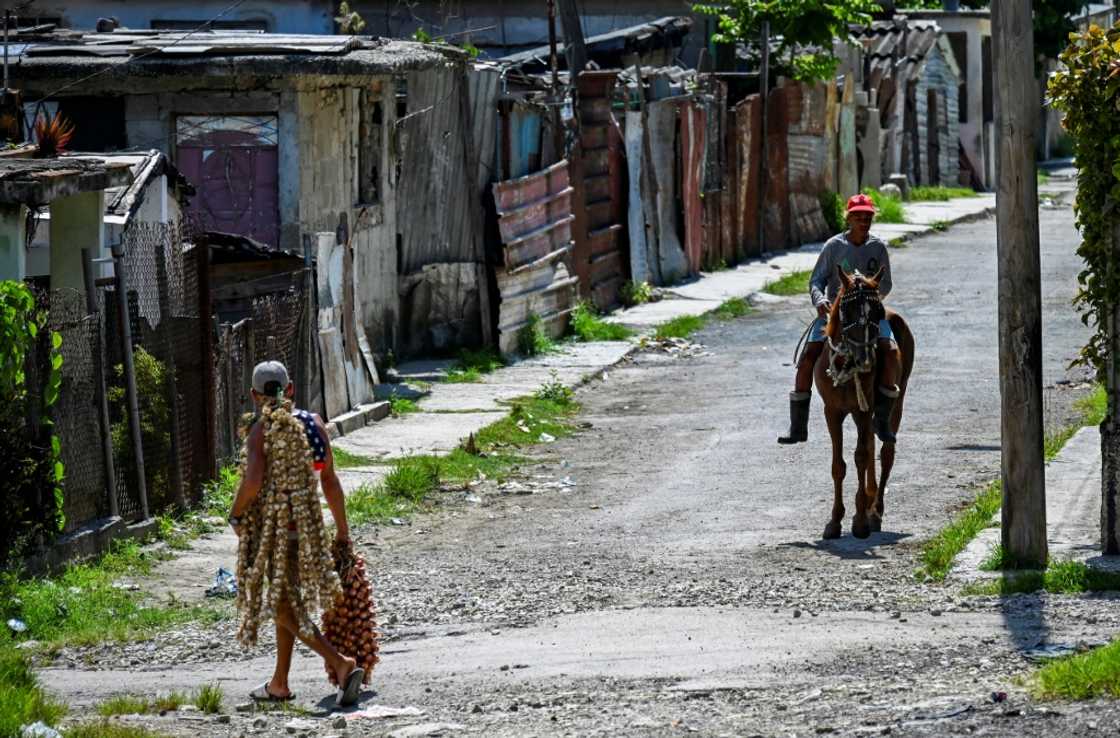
column 399, row 406
column 1060, row 577
column 795, row 283
column 22, row 700
column 736, row 307
column 1084, row 676
column 82, row 605
column 413, row 478
column 217, row 495
column 587, row 325
column 887, row 209
column 209, row 698
column 940, row 226
column 635, row 293
column 532, row 339
column 898, row 243
column 110, row 729
column 938, row 553
column 473, row 364
column 681, row 327
column 939, row 194
column 344, row 459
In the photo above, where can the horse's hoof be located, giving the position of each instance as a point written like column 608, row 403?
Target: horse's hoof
column 876, row 524
column 832, row 530
column 860, row 529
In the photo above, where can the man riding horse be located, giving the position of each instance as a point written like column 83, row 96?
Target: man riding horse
column 854, row 250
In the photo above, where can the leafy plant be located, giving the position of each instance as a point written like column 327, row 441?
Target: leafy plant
column 349, row 21
column 635, row 293
column 532, row 340
column 1086, row 90
column 155, row 425
column 472, row 364
column 399, row 406
column 832, row 207
column 796, row 25
column 52, row 136
column 30, row 454
column 555, row 391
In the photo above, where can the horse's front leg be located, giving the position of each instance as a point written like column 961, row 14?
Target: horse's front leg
column 886, row 461
column 835, row 420
column 874, row 490
column 861, row 528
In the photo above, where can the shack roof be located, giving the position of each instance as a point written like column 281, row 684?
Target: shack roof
column 122, row 201
column 39, row 181
column 610, row 47
column 159, row 54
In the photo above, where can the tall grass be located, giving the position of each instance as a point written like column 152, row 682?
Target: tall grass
column 887, row 209
column 1085, row 676
column 22, row 699
column 795, row 283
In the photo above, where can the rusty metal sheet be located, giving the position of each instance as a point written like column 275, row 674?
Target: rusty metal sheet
column 748, row 127
column 535, row 222
column 777, row 169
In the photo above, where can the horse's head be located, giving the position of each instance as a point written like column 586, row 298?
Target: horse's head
column 854, row 320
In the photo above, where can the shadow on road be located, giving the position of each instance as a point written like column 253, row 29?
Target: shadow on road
column 850, row 547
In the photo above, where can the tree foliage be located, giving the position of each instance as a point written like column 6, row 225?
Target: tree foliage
column 805, row 30
column 1087, row 91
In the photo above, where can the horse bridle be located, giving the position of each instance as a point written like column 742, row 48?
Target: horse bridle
column 866, row 323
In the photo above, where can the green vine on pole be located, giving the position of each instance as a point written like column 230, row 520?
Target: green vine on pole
column 1087, row 91
column 28, row 465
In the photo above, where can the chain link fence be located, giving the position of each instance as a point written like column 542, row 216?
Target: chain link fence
column 278, row 329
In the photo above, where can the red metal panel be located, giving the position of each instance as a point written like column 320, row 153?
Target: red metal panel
column 777, row 166
column 748, row 126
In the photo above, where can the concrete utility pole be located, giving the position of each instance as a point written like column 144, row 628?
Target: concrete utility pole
column 573, row 38
column 1020, row 290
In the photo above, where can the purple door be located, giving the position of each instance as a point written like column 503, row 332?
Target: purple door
column 232, row 162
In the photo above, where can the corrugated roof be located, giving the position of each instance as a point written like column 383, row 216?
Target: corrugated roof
column 898, row 45
column 145, row 166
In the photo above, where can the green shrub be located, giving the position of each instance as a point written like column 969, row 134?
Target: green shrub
column 587, row 325
column 532, row 339
column 832, row 207
column 887, row 209
column 155, row 426
column 635, row 293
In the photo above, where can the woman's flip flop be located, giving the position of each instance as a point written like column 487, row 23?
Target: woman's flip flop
column 349, row 692
column 261, row 694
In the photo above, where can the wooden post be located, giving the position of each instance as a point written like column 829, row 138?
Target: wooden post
column 474, row 215
column 1020, row 292
column 573, row 38
column 554, row 65
column 1110, row 428
column 130, row 379
column 648, row 184
column 99, row 387
column 764, row 95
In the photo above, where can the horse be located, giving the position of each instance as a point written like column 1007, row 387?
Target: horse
column 846, row 378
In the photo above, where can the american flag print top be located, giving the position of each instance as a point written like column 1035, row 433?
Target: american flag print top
column 314, row 439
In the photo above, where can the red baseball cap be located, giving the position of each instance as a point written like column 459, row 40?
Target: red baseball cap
column 861, row 204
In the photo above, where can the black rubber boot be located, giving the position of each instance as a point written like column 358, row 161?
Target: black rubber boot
column 798, row 418
column 884, row 408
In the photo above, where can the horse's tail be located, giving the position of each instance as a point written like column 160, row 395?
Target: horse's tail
column 905, row 340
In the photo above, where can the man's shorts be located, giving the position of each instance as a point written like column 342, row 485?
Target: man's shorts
column 816, row 333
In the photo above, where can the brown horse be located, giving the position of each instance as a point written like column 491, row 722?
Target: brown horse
column 845, row 376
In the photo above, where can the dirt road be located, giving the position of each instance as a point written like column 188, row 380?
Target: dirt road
column 662, row 571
